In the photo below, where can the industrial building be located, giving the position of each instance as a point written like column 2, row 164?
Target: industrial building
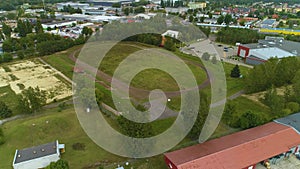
column 260, row 52
column 38, row 157
column 268, row 143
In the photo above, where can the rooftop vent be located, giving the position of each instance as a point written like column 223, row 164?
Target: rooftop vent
column 19, row 155
column 42, row 150
column 34, row 152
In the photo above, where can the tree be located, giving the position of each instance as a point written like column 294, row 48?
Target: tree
column 139, row 10
column 126, row 11
column 20, row 54
column 116, row 5
column 220, row 20
column 296, row 87
column 31, row 100
column 293, row 106
column 227, row 19
column 191, row 18
column 60, row 164
column 6, row 30
column 38, row 27
column 169, row 44
column 7, row 57
column 5, row 111
column 235, row 72
column 251, row 119
column 206, row 56
column 230, row 115
column 274, row 101
column 134, row 129
column 202, row 19
column 87, row 31
column 1, row 36
column 214, row 60
column 8, row 46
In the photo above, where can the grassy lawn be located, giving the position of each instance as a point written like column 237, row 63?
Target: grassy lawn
column 234, row 84
column 62, row 63
column 244, row 104
column 8, row 96
column 62, row 126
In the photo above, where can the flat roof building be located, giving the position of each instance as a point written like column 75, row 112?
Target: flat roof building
column 257, row 53
column 37, row 157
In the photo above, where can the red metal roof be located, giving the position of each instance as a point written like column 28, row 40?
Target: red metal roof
column 238, row 150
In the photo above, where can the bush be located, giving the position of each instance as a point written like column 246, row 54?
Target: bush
column 206, row 56
column 251, row 119
column 5, row 112
column 286, row 112
column 293, row 107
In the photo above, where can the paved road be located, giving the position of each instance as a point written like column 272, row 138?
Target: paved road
column 10, row 119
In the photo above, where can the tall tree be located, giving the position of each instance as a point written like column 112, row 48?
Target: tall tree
column 31, row 100
column 220, row 20
column 6, row 30
column 38, row 27
column 235, row 72
column 5, row 111
column 227, row 19
column 274, row 101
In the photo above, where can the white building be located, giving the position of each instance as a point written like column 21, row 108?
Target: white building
column 171, row 33
column 38, row 157
column 58, row 24
column 81, row 6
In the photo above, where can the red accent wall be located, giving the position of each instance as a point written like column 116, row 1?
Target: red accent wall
column 243, row 48
column 169, row 162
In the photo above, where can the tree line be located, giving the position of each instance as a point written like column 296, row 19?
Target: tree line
column 233, row 35
column 9, row 5
column 39, row 43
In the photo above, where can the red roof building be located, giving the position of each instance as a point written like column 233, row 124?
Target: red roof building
column 241, row 150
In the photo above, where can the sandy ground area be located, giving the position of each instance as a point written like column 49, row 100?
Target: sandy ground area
column 34, row 74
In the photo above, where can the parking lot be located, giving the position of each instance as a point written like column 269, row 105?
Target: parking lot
column 290, row 163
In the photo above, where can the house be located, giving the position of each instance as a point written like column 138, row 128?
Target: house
column 260, row 52
column 270, row 143
column 171, row 33
column 38, row 156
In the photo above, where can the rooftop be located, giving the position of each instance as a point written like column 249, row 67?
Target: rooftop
column 267, row 53
column 255, row 145
column 36, row 152
column 288, row 46
column 291, row 120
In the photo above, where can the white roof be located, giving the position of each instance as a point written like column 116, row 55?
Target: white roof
column 267, row 53
column 171, row 33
